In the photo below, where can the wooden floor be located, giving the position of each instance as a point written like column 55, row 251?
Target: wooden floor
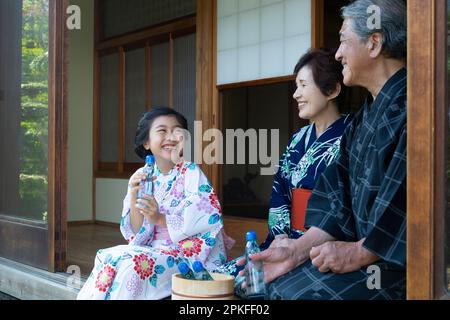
column 85, row 240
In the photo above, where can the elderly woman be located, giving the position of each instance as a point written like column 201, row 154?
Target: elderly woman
column 310, row 150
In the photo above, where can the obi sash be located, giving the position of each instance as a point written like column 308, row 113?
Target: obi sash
column 161, row 233
column 300, row 199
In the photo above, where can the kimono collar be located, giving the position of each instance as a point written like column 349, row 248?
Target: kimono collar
column 338, row 124
column 175, row 169
column 392, row 87
column 389, row 89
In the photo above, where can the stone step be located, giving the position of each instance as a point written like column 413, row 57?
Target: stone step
column 27, row 283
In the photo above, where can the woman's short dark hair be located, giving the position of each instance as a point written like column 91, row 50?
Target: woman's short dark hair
column 145, row 124
column 326, row 71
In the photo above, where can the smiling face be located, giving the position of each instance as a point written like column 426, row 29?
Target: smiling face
column 165, row 139
column 311, row 101
column 354, row 56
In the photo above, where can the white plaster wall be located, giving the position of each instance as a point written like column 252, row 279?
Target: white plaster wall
column 80, row 101
column 109, row 199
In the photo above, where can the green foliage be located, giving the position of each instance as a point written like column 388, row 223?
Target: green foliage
column 33, row 188
column 34, row 89
column 34, row 110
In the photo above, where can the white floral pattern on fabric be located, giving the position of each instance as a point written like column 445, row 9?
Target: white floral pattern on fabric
column 143, row 268
column 304, row 160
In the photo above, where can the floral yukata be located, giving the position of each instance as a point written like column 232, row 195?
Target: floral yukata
column 143, row 269
column 301, row 165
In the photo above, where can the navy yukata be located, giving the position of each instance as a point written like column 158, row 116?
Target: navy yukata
column 361, row 195
column 300, row 166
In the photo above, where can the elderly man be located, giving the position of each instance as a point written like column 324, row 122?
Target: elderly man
column 355, row 245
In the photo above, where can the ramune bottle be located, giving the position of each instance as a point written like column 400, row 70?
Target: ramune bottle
column 148, row 182
column 254, row 272
column 185, row 271
column 200, row 272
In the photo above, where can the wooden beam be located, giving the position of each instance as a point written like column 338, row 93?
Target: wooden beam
column 317, row 21
column 171, row 62
column 258, row 82
column 57, row 137
column 121, row 125
column 96, row 146
column 165, row 29
column 420, row 150
column 148, row 77
column 98, row 21
column 207, row 104
column 440, row 280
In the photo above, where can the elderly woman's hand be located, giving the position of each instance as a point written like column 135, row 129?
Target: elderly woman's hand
column 278, row 259
column 281, row 240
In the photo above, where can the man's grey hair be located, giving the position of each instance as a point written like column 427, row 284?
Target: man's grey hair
column 392, row 25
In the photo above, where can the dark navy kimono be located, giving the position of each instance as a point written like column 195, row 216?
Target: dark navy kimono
column 300, row 166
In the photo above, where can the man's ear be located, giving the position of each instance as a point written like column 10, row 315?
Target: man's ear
column 335, row 93
column 375, row 45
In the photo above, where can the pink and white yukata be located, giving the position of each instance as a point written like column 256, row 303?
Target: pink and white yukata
column 143, row 269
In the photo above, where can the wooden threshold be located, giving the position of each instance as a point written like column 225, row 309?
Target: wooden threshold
column 254, row 83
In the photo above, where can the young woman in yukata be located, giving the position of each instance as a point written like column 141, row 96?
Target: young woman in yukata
column 310, row 150
column 181, row 221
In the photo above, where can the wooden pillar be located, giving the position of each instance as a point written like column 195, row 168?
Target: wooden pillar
column 427, row 116
column 57, row 137
column 207, row 106
column 317, row 21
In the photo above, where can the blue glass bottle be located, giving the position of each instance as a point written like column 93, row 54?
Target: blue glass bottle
column 256, row 288
column 200, row 272
column 185, row 271
column 148, row 182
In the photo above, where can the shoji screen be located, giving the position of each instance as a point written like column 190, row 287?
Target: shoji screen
column 259, row 39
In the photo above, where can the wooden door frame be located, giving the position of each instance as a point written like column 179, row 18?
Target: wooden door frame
column 317, row 22
column 427, row 116
column 25, row 240
column 207, row 97
column 57, row 137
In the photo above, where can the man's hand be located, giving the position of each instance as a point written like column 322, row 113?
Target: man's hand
column 341, row 257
